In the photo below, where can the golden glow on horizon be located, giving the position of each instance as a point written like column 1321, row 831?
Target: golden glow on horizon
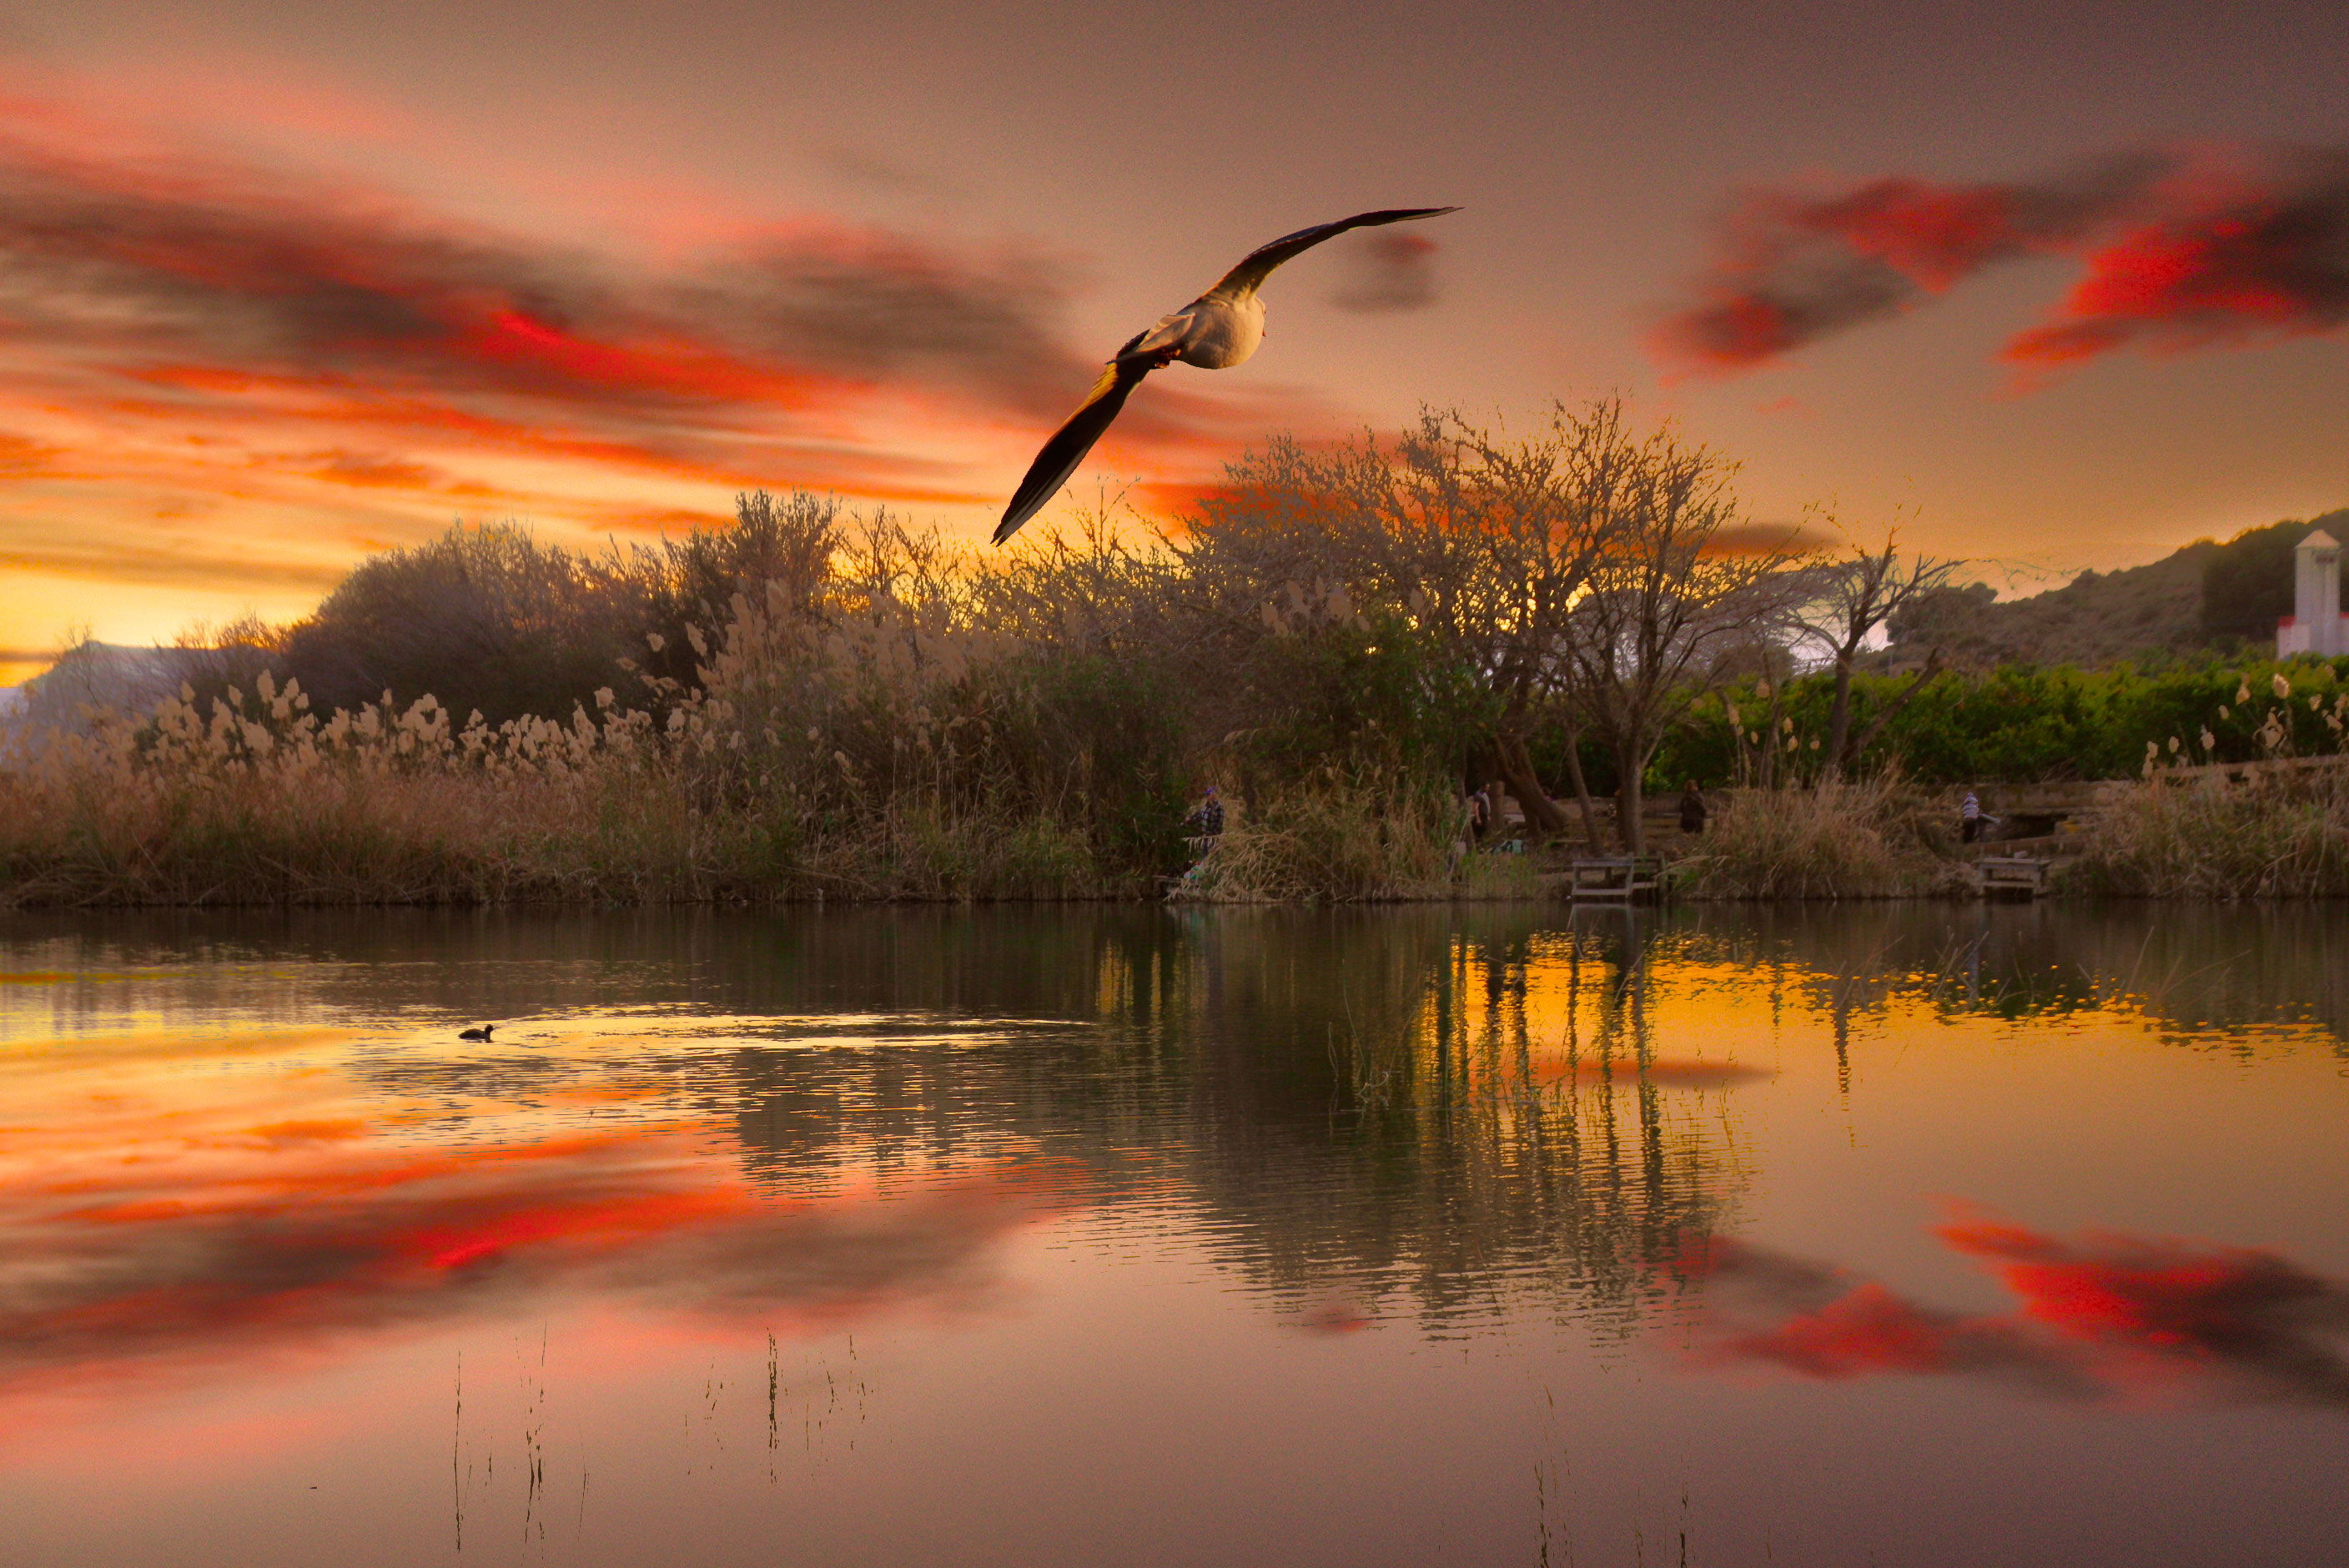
column 230, row 380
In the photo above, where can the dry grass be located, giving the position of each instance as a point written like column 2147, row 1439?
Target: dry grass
column 2280, row 835
column 1335, row 843
column 878, row 760
column 2278, row 829
column 253, row 798
column 1863, row 839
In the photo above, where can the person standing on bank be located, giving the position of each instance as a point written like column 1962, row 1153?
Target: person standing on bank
column 1208, row 819
column 1692, row 810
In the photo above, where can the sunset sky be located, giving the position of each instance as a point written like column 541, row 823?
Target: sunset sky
column 2059, row 286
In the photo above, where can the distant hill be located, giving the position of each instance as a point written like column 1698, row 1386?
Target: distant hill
column 2207, row 595
column 100, row 676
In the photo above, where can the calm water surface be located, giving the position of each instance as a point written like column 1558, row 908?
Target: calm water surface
column 1875, row 1235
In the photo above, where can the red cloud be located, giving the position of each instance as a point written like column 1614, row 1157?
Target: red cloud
column 2183, row 248
column 2234, row 253
column 1868, row 1330
column 250, row 274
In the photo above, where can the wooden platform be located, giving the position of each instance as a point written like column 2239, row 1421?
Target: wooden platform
column 1615, row 876
column 2019, row 874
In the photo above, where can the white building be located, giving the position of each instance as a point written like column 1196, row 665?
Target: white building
column 2315, row 625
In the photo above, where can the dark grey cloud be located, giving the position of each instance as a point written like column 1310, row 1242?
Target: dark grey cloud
column 225, row 271
column 1386, row 271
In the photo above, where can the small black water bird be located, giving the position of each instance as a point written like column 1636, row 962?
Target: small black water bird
column 480, row 1033
column 1219, row 329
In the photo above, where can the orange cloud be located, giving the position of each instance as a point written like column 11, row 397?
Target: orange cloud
column 1767, row 538
column 371, row 471
column 97, row 560
column 1175, row 499
column 190, row 327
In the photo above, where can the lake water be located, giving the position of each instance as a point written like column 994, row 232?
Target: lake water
column 1928, row 1235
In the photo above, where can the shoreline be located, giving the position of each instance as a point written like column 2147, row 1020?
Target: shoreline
column 9, row 906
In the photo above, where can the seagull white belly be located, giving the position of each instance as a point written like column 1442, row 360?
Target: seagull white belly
column 1224, row 333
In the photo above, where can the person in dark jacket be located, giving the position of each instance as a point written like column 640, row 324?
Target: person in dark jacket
column 1692, row 809
column 1208, row 819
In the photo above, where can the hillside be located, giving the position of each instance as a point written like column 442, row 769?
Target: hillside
column 100, row 676
column 2206, row 595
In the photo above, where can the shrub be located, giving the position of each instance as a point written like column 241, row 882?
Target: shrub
column 2025, row 724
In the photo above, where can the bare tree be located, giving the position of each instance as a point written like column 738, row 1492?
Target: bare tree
column 1669, row 607
column 1509, row 520
column 1853, row 596
column 1480, row 541
column 1094, row 583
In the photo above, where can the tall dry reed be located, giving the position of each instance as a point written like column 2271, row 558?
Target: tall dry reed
column 2275, row 829
column 2278, row 834
column 1854, row 838
column 1332, row 841
column 740, row 787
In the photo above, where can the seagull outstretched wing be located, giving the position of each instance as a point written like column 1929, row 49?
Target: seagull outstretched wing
column 1073, row 439
column 1180, row 336
column 1257, row 264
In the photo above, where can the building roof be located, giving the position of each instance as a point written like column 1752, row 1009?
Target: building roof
column 2318, row 540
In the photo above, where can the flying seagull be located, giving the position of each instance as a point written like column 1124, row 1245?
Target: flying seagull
column 1214, row 332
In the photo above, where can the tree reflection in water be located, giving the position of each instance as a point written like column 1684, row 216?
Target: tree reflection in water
column 1440, row 1114
column 1131, row 1208
column 2210, row 975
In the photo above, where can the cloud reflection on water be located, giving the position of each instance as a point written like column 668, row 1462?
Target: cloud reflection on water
column 318, row 1232
column 1428, row 1123
column 2101, row 1315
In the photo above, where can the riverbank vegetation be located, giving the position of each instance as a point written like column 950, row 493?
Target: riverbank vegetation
column 822, row 702
column 2283, row 833
column 1865, row 838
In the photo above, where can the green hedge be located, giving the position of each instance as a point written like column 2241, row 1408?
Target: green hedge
column 2022, row 723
